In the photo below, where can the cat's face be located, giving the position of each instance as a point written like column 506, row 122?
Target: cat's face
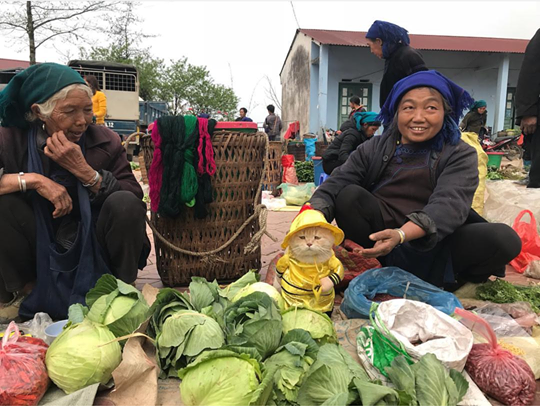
column 312, row 245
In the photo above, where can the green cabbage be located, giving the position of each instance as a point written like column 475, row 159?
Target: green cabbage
column 261, row 287
column 254, row 321
column 185, row 335
column 316, row 323
column 76, row 358
column 223, row 378
column 117, row 305
column 168, row 302
column 248, row 278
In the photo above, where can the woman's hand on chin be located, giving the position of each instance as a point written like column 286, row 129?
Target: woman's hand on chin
column 385, row 241
column 68, row 155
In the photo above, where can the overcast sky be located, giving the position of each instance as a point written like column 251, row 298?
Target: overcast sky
column 242, row 42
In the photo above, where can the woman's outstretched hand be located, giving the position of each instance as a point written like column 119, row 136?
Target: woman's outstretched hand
column 385, row 241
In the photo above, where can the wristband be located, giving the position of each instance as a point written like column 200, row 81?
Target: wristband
column 401, row 235
column 94, row 181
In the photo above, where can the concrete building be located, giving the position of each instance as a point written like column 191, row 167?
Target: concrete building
column 324, row 68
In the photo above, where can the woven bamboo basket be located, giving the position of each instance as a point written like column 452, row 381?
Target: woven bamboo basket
column 298, row 149
column 320, row 147
column 225, row 244
column 272, row 178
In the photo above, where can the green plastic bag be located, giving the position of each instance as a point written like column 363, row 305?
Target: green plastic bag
column 377, row 347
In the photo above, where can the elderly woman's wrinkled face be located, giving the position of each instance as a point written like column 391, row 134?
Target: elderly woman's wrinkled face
column 420, row 115
column 71, row 115
column 376, row 47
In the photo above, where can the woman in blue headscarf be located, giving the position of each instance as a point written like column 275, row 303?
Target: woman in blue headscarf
column 366, row 125
column 391, row 42
column 476, row 118
column 406, row 196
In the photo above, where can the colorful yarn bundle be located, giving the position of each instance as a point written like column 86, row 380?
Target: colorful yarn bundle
column 205, row 144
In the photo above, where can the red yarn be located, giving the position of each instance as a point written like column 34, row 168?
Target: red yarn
column 155, row 175
column 205, row 142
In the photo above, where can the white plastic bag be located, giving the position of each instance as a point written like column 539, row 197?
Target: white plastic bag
column 422, row 329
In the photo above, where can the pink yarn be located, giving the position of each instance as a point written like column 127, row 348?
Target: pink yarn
column 205, row 142
column 155, row 175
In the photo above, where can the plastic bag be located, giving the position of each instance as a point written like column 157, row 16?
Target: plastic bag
column 506, row 200
column 23, row 375
column 297, row 195
column 496, row 371
column 530, row 250
column 533, row 270
column 422, row 329
column 396, row 282
column 289, row 171
column 310, row 148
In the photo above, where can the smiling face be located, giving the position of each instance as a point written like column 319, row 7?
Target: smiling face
column 375, row 46
column 420, row 115
column 72, row 115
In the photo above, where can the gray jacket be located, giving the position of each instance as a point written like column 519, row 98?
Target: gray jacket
column 271, row 127
column 454, row 175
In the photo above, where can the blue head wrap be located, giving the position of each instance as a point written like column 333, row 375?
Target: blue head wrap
column 365, row 117
column 458, row 99
column 392, row 36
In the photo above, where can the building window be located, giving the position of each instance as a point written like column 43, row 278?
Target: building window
column 510, row 108
column 346, row 91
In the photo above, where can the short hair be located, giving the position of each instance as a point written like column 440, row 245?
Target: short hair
column 270, row 108
column 93, row 82
column 243, row 108
column 355, row 100
column 46, row 108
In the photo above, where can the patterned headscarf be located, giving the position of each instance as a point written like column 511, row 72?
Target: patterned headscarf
column 393, row 36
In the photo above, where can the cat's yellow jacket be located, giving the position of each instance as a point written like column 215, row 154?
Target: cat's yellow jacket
column 299, row 280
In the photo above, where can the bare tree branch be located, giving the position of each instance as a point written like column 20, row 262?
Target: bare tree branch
column 271, row 93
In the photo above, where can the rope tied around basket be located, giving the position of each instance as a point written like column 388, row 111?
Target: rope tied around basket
column 260, row 212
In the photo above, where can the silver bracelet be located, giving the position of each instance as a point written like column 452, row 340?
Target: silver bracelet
column 401, row 235
column 94, row 181
column 22, row 182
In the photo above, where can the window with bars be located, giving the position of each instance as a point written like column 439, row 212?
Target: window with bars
column 124, row 82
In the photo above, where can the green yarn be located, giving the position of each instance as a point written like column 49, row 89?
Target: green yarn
column 190, row 184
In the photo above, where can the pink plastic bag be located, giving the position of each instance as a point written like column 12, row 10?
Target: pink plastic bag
column 530, row 250
column 289, row 171
column 496, row 371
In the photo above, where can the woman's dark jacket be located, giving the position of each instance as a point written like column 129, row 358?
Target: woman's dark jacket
column 103, row 152
column 403, row 62
column 344, row 144
column 454, row 175
column 473, row 122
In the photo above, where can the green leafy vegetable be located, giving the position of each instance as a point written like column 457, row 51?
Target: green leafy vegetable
column 316, row 323
column 247, row 279
column 223, row 378
column 206, row 298
column 427, row 382
column 117, row 305
column 168, row 302
column 183, row 336
column 500, row 291
column 254, row 321
column 261, row 287
column 304, row 171
column 290, row 363
column 77, row 357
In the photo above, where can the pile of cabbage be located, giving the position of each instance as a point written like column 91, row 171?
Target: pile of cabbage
column 89, row 348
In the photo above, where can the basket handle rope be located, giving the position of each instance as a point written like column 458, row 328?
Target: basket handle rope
column 260, row 212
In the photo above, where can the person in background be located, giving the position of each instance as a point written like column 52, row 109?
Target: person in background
column 354, row 103
column 366, row 125
column 406, row 196
column 272, row 124
column 391, row 42
column 243, row 117
column 528, row 106
column 475, row 120
column 99, row 100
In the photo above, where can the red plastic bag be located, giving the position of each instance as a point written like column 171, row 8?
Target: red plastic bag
column 289, row 171
column 496, row 371
column 23, row 374
column 530, row 249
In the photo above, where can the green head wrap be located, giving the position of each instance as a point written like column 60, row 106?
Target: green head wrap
column 478, row 104
column 35, row 84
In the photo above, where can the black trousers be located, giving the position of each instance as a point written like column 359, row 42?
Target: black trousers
column 534, row 147
column 120, row 230
column 477, row 250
